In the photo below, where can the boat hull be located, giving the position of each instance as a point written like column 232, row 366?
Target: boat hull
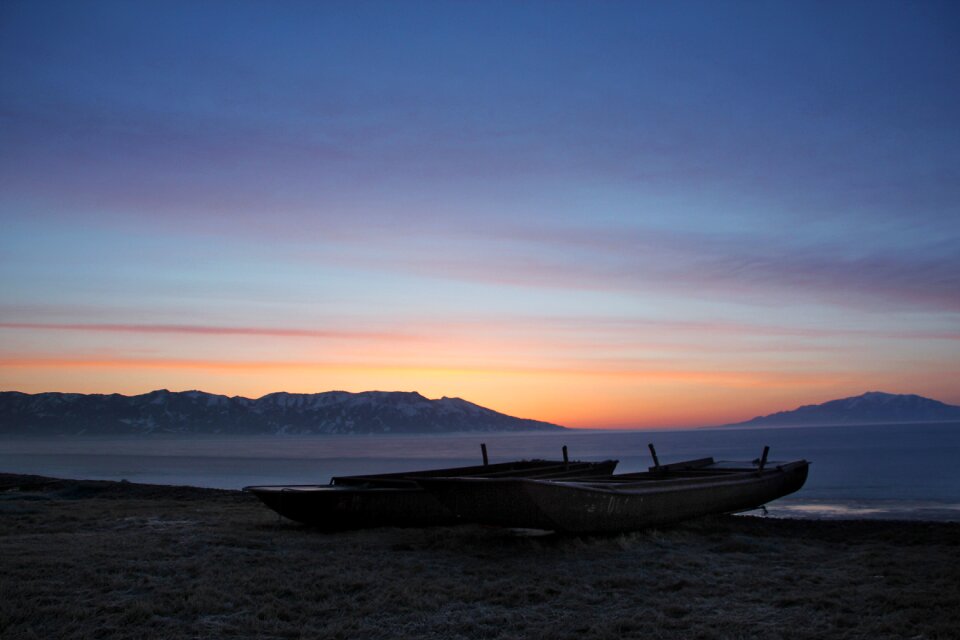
column 336, row 507
column 396, row 500
column 613, row 507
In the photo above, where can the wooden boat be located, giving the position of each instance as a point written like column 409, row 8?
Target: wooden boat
column 395, row 499
column 663, row 495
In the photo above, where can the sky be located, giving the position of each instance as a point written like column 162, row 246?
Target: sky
column 601, row 214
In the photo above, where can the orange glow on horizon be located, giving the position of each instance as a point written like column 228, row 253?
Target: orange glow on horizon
column 571, row 396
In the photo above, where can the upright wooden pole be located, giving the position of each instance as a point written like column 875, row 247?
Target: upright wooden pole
column 483, row 450
column 656, row 460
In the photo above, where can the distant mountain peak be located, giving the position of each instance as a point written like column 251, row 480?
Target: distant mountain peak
column 198, row 412
column 872, row 407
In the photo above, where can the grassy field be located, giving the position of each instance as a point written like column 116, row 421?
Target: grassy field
column 83, row 559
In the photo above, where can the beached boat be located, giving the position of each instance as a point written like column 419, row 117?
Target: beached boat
column 396, row 499
column 663, row 495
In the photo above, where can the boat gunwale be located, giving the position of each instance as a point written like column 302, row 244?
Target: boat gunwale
column 673, row 485
column 322, row 488
column 630, row 488
column 408, row 481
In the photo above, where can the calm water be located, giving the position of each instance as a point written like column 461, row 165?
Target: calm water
column 876, row 471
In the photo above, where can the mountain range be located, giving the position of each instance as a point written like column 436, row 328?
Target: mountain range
column 873, row 407
column 197, row 412
column 369, row 412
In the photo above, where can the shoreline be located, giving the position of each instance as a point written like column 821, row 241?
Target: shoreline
column 87, row 558
column 135, row 489
column 788, row 508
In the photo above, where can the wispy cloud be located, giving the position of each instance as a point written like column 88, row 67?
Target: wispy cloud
column 759, row 269
column 551, row 329
column 613, row 370
column 276, row 332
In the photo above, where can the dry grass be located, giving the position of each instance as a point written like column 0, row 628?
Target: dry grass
column 112, row 560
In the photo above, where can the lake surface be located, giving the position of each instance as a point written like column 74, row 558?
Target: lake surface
column 908, row 471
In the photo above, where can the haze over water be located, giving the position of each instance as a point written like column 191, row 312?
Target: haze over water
column 868, row 471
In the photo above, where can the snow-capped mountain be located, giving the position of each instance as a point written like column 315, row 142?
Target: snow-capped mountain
column 873, row 407
column 196, row 412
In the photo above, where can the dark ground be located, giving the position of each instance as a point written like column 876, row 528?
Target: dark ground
column 86, row 559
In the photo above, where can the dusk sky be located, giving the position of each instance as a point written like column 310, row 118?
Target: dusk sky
column 601, row 214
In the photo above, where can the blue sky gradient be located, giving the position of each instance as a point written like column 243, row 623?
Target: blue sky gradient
column 593, row 213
